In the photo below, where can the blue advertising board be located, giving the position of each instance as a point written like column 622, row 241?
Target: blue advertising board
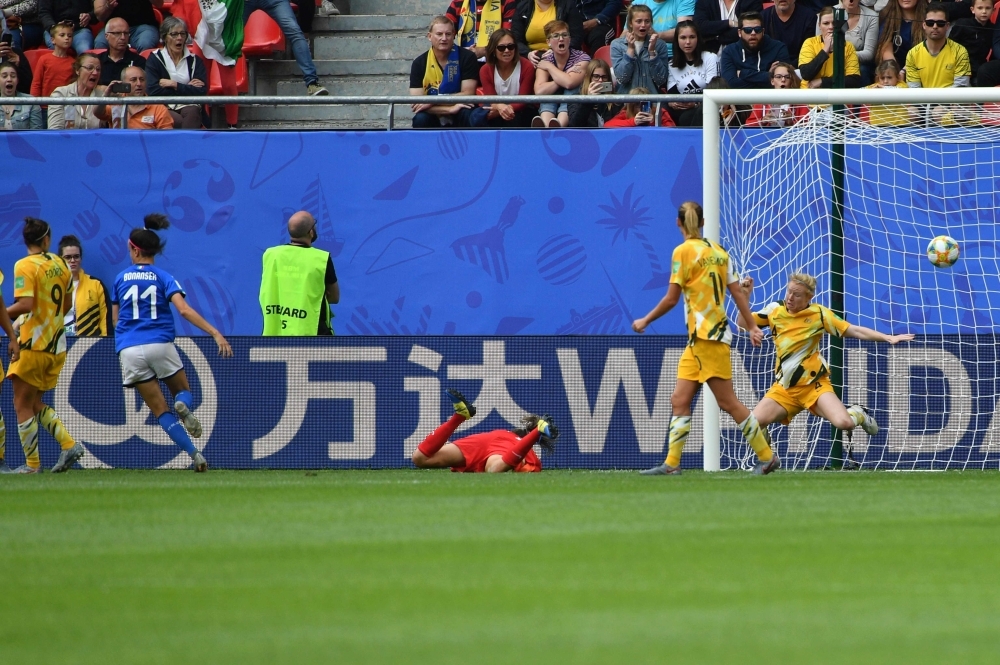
column 360, row 402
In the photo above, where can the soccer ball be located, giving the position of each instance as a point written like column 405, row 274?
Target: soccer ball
column 942, row 252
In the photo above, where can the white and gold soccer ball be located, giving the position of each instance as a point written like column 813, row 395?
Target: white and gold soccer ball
column 943, row 252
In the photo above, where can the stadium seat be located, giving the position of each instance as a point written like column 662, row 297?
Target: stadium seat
column 148, row 52
column 96, row 28
column 262, row 36
column 159, row 16
column 97, row 51
column 33, row 55
column 604, row 53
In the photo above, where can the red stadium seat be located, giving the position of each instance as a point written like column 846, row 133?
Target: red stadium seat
column 996, row 12
column 159, row 15
column 604, row 53
column 33, row 55
column 97, row 51
column 96, row 27
column 262, row 36
column 148, row 52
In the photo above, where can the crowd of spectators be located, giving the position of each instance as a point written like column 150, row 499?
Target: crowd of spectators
column 515, row 47
column 686, row 46
column 97, row 48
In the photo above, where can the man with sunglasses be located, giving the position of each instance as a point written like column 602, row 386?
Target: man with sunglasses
column 747, row 63
column 937, row 62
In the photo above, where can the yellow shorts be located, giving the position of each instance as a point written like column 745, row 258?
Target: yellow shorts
column 38, row 368
column 798, row 398
column 706, row 359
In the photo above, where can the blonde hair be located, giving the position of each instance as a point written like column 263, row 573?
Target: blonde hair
column 805, row 280
column 633, row 107
column 691, row 218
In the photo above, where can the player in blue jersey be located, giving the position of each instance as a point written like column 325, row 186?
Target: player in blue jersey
column 144, row 335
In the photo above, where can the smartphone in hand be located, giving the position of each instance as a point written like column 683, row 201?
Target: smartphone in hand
column 644, row 107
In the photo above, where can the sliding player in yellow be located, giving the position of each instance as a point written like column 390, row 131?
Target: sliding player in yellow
column 43, row 289
column 700, row 271
column 802, row 377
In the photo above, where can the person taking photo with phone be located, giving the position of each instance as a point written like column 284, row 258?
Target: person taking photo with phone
column 596, row 81
column 639, row 114
column 140, row 116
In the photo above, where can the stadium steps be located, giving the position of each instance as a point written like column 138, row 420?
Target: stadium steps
column 367, row 52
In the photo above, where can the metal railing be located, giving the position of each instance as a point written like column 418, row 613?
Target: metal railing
column 390, row 101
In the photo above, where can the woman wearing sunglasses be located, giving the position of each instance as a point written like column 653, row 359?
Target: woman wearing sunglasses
column 507, row 73
column 816, row 57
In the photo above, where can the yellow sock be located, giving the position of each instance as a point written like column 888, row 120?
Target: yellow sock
column 50, row 421
column 28, row 432
column 856, row 415
column 757, row 438
column 680, row 427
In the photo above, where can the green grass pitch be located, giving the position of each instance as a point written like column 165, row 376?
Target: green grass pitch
column 559, row 567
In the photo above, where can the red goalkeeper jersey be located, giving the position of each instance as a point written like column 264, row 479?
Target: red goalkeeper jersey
column 480, row 447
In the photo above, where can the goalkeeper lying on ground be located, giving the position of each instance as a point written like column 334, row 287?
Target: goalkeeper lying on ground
column 489, row 452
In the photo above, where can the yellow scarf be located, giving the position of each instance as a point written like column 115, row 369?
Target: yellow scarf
column 442, row 82
column 491, row 21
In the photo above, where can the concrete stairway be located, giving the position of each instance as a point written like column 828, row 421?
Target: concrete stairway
column 365, row 52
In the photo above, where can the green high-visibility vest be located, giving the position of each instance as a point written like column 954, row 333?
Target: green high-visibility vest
column 292, row 291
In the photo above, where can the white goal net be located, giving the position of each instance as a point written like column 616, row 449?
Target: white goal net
column 931, row 170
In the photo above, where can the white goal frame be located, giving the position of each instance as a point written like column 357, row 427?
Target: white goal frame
column 713, row 100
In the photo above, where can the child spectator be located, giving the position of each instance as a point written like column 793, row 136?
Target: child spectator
column 639, row 114
column 55, row 69
column 783, row 77
column 78, row 13
column 976, row 34
column 882, row 115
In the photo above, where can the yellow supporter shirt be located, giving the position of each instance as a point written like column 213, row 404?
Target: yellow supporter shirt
column 888, row 115
column 811, row 48
column 924, row 70
column 797, row 338
column 535, row 34
column 701, row 269
column 46, row 278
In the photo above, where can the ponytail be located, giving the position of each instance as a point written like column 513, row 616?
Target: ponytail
column 691, row 219
column 146, row 240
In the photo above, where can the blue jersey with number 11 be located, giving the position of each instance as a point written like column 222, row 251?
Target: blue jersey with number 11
column 143, row 294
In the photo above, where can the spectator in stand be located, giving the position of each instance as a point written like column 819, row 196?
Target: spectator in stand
column 445, row 69
column 118, row 56
column 174, row 71
column 691, row 69
column 666, row 15
column 637, row 56
column 596, row 81
column 639, row 114
column 16, row 116
column 717, row 21
column 90, row 313
column 281, row 12
column 21, row 17
column 79, row 14
column 816, row 61
column 474, row 32
column 86, row 84
column 144, row 116
column 789, row 24
column 506, row 72
column 57, row 68
column 530, row 19
column 937, row 62
column 900, row 27
column 559, row 72
column 783, row 77
column 731, row 117
column 888, row 115
column 976, row 35
column 862, row 31
column 989, row 74
column 138, row 14
column 15, row 57
column 600, row 19
column 747, row 63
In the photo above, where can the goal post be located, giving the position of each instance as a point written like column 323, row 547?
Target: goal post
column 934, row 170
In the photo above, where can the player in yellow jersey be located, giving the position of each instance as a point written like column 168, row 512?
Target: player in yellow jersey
column 802, row 377
column 701, row 272
column 43, row 287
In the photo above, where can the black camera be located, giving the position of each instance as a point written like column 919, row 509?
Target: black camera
column 119, row 87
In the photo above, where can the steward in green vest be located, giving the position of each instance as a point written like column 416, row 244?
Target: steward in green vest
column 298, row 281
